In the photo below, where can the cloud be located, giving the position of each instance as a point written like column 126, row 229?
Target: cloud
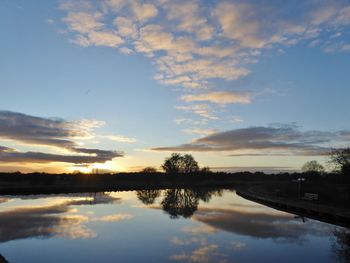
column 187, row 14
column 55, row 132
column 200, row 230
column 98, row 156
column 200, row 131
column 235, row 119
column 83, row 22
column 196, row 45
column 220, row 97
column 207, row 253
column 144, row 11
column 120, row 138
column 253, row 169
column 280, row 139
column 126, row 27
column 187, row 28
column 114, row 218
column 44, row 131
column 202, row 110
column 188, row 241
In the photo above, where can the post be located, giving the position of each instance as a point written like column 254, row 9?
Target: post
column 300, row 180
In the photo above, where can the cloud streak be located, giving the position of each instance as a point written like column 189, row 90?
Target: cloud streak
column 55, row 132
column 11, row 155
column 273, row 140
column 220, row 97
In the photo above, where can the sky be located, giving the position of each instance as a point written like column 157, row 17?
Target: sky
column 118, row 85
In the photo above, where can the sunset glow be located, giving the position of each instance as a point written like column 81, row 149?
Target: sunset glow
column 116, row 86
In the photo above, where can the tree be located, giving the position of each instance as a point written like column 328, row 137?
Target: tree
column 312, row 166
column 178, row 163
column 189, row 164
column 149, row 170
column 205, row 170
column 340, row 158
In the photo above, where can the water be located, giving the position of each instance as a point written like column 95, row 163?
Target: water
column 161, row 226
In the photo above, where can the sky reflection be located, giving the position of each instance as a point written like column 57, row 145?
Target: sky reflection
column 209, row 226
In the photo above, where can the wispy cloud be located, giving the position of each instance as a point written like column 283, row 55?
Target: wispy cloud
column 120, row 138
column 207, row 253
column 273, row 140
column 200, row 131
column 179, row 35
column 220, row 97
column 193, row 44
column 203, row 110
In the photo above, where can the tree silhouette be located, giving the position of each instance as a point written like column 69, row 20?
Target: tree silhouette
column 341, row 159
column 312, row 166
column 178, row 163
column 149, row 170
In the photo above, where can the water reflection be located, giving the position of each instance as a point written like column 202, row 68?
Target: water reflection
column 51, row 220
column 226, row 229
column 178, row 202
column 3, row 260
column 148, row 197
column 341, row 244
column 280, row 226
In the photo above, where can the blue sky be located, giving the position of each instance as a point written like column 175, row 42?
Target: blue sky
column 147, row 78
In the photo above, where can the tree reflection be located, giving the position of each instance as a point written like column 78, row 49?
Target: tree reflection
column 178, row 202
column 184, row 202
column 341, row 245
column 148, row 197
column 3, row 260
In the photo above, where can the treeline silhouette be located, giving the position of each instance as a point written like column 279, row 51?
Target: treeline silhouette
column 158, row 176
column 332, row 188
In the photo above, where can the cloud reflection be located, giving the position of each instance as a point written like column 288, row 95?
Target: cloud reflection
column 49, row 221
column 281, row 226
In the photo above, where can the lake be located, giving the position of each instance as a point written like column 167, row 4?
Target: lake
column 178, row 225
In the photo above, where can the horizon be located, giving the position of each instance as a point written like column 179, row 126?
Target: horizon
column 118, row 85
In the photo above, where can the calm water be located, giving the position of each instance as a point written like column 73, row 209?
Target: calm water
column 161, row 226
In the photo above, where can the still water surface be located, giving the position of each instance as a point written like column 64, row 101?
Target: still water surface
column 161, row 226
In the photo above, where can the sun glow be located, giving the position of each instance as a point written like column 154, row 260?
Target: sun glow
column 108, row 167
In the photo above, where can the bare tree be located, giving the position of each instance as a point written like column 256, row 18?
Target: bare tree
column 340, row 158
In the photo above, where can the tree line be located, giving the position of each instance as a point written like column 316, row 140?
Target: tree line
column 186, row 164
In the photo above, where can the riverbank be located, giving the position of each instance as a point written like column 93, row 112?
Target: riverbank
column 304, row 208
